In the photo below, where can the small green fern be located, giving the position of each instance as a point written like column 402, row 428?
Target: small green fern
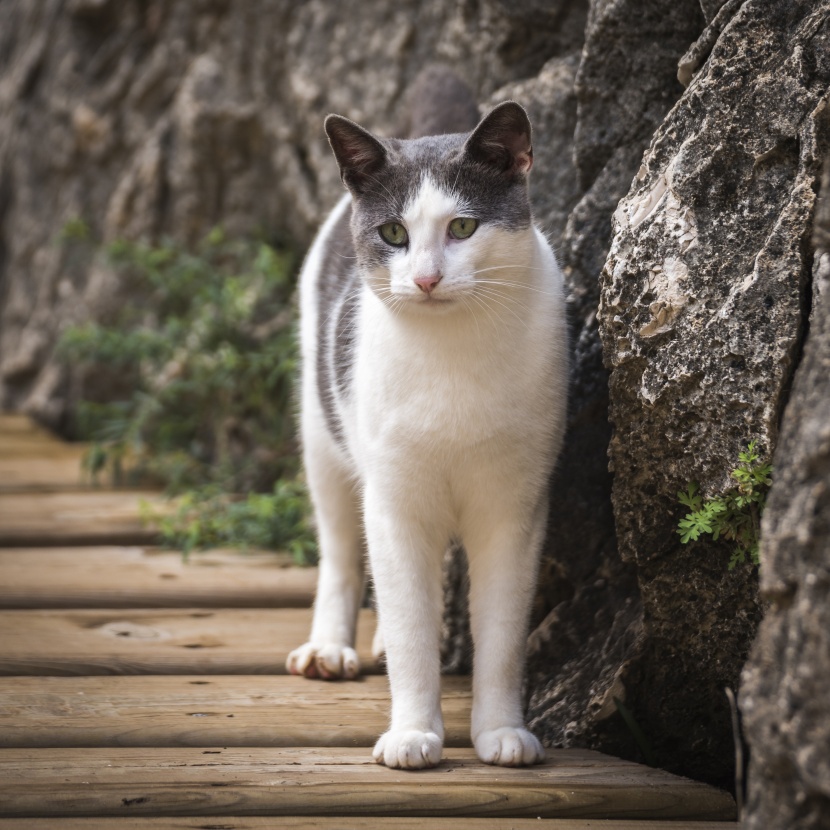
column 735, row 515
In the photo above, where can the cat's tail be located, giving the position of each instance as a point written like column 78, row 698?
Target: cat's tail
column 437, row 102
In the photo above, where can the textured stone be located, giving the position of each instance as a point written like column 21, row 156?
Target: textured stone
column 784, row 697
column 590, row 612
column 702, row 316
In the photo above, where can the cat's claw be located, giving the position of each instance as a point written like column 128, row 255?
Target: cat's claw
column 509, row 747
column 408, row 749
column 327, row 662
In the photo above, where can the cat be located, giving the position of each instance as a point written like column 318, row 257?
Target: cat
column 433, row 398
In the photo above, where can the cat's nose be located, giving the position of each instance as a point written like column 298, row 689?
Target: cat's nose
column 427, row 284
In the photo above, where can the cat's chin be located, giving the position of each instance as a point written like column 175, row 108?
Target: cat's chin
column 432, row 305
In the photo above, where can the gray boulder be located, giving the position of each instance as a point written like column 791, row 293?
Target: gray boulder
column 784, row 698
column 703, row 310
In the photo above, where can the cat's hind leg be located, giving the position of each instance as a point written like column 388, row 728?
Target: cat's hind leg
column 329, row 653
column 502, row 554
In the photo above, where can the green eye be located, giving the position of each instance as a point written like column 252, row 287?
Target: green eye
column 462, row 227
column 394, row 233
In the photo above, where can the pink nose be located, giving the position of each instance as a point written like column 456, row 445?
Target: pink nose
column 426, row 284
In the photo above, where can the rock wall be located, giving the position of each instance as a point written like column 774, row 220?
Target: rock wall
column 785, row 698
column 704, row 303
column 683, row 211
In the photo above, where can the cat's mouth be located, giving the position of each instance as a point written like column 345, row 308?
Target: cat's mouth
column 435, row 302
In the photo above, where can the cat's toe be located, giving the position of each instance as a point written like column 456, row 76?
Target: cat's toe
column 378, row 648
column 337, row 661
column 408, row 749
column 509, row 747
column 327, row 662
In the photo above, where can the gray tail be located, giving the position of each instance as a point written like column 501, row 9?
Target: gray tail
column 437, row 102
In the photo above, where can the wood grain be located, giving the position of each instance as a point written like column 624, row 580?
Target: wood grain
column 32, row 459
column 27, row 473
column 350, row 823
column 142, row 577
column 142, row 641
column 341, row 782
column 201, row 711
column 115, row 715
column 92, row 517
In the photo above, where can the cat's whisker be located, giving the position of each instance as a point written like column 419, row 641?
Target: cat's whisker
column 509, row 267
column 519, row 285
column 493, row 291
column 501, row 301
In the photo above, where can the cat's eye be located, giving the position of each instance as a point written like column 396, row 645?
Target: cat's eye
column 463, row 227
column 394, row 233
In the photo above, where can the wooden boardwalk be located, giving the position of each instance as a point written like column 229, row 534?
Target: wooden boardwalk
column 140, row 692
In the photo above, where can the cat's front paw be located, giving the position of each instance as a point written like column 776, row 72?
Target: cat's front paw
column 509, row 747
column 327, row 662
column 408, row 749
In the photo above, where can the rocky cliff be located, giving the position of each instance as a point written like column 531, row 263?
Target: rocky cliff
column 785, row 701
column 678, row 146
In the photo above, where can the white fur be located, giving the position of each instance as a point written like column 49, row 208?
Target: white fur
column 453, row 424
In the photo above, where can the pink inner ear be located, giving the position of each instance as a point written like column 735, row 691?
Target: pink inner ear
column 357, row 152
column 522, row 152
column 524, row 160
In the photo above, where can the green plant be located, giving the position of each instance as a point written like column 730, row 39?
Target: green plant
column 207, row 517
column 734, row 515
column 192, row 384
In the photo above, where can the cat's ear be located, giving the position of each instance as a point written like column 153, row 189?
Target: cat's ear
column 502, row 140
column 359, row 154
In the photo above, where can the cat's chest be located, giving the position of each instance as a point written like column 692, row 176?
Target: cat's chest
column 437, row 387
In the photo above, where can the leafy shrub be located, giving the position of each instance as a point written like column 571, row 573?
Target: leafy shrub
column 208, row 517
column 735, row 515
column 206, row 361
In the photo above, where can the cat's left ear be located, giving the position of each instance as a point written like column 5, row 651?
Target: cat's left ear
column 359, row 154
column 502, row 140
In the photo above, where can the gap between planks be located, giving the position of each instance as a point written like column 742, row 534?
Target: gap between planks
column 350, row 823
column 340, row 782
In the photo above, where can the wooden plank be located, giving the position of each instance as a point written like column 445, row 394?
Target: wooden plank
column 38, row 445
column 24, row 470
column 350, row 823
column 339, row 782
column 207, row 711
column 140, row 577
column 14, row 425
column 86, row 518
column 33, row 459
column 143, row 641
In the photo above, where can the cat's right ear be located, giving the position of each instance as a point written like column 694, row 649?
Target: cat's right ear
column 359, row 154
column 502, row 140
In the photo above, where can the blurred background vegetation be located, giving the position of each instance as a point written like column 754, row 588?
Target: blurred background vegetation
column 192, row 388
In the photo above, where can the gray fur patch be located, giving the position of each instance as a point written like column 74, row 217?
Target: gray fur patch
column 489, row 195
column 338, row 287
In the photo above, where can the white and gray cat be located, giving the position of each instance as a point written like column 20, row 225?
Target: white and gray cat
column 434, row 388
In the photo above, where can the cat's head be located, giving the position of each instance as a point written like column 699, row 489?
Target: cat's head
column 436, row 220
